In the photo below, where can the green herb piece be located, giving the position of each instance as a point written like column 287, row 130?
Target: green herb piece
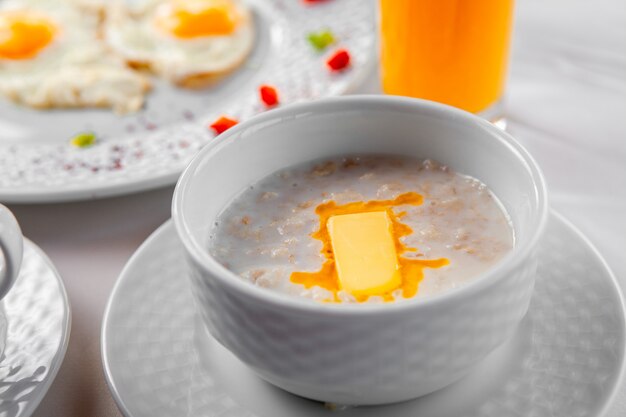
column 84, row 140
column 321, row 39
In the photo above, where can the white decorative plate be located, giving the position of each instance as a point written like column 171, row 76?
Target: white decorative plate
column 566, row 359
column 37, row 325
column 151, row 148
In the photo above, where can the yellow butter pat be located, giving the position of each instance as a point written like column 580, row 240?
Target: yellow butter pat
column 364, row 252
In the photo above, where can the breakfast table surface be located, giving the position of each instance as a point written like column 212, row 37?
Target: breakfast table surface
column 566, row 102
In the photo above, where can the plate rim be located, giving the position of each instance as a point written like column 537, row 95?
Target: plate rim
column 108, row 376
column 621, row 376
column 163, row 228
column 118, row 188
column 66, row 329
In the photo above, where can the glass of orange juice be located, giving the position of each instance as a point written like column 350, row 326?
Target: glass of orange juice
column 451, row 51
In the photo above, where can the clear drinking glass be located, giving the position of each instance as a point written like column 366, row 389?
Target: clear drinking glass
column 452, row 51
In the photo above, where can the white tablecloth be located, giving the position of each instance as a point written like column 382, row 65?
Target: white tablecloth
column 566, row 104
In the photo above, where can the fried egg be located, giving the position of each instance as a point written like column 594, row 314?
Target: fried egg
column 187, row 42
column 51, row 55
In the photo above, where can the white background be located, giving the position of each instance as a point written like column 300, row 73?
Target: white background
column 566, row 103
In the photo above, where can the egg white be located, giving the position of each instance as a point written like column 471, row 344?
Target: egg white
column 76, row 69
column 131, row 31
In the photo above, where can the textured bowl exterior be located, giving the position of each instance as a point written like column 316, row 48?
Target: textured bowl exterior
column 365, row 359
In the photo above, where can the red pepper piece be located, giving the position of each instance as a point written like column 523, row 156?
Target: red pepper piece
column 269, row 95
column 339, row 60
column 222, row 124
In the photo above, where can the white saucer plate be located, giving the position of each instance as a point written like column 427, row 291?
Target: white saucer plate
column 150, row 149
column 37, row 323
column 566, row 359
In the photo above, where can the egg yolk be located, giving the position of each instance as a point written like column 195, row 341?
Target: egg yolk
column 24, row 34
column 198, row 18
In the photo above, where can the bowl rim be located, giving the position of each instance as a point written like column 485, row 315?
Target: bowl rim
column 234, row 283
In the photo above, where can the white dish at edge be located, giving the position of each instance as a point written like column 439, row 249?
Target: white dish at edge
column 37, row 314
column 566, row 359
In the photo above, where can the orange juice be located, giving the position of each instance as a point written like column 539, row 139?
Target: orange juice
column 451, row 51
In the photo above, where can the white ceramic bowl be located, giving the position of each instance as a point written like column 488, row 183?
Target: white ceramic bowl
column 361, row 354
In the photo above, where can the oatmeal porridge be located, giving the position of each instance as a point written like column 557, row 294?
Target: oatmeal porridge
column 362, row 229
